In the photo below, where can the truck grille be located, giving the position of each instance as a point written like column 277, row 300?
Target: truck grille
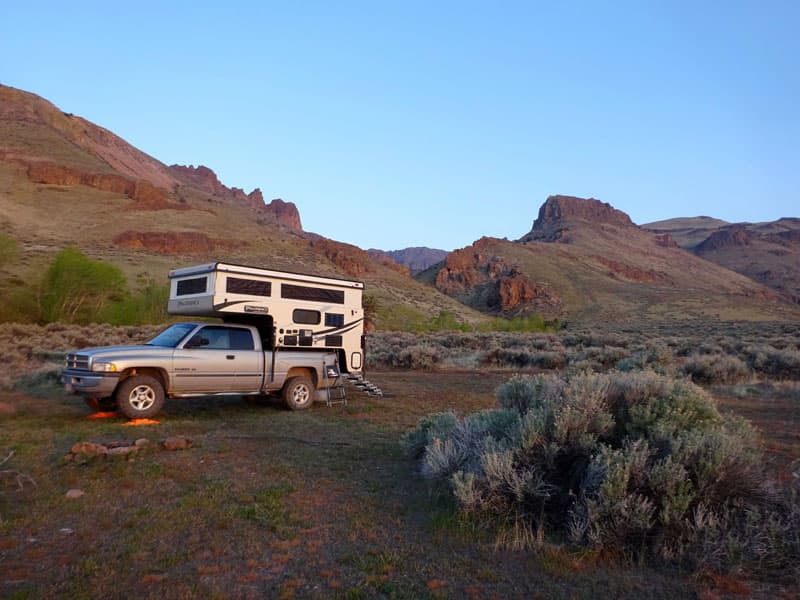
column 78, row 361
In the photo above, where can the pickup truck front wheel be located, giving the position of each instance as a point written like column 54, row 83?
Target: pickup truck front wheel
column 298, row 393
column 140, row 397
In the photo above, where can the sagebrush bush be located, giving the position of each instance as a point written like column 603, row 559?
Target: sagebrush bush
column 636, row 463
column 710, row 354
column 31, row 349
column 783, row 364
column 716, row 368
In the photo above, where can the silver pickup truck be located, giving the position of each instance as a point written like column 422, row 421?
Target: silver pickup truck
column 199, row 359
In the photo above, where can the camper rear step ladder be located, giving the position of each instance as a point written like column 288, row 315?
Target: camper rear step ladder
column 370, row 389
column 335, row 394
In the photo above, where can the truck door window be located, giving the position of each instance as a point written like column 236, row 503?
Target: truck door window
column 241, row 339
column 211, row 338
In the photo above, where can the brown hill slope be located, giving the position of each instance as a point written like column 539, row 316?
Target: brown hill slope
column 768, row 253
column 67, row 182
column 585, row 260
column 687, row 231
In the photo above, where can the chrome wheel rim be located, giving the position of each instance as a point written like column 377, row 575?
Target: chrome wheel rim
column 142, row 397
column 301, row 394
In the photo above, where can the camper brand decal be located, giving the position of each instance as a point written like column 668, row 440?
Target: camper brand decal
column 256, row 309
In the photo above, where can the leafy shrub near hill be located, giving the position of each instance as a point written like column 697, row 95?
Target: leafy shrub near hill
column 634, row 463
column 78, row 289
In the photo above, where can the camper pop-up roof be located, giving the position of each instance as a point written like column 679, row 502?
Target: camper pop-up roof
column 292, row 310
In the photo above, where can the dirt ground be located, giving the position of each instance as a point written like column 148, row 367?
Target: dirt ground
column 271, row 503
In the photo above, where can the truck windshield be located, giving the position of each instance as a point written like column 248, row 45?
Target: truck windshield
column 172, row 336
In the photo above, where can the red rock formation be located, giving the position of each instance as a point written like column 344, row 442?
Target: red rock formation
column 200, row 177
column 728, row 237
column 558, row 211
column 665, row 240
column 475, row 272
column 285, row 213
column 146, row 195
column 175, row 242
column 204, row 179
column 629, row 273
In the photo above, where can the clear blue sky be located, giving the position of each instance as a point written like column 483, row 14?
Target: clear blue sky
column 434, row 123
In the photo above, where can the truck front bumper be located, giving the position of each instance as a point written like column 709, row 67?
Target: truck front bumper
column 88, row 384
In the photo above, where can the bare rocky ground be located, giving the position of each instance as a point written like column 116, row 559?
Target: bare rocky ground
column 264, row 502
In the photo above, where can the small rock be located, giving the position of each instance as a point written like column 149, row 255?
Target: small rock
column 141, row 442
column 74, row 493
column 89, row 448
column 66, row 531
column 177, row 443
column 7, row 409
column 122, row 450
column 69, row 457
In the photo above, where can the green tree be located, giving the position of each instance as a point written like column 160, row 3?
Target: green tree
column 77, row 289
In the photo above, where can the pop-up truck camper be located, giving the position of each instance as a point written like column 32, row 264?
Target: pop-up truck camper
column 299, row 335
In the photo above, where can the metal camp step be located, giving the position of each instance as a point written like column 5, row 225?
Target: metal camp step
column 366, row 386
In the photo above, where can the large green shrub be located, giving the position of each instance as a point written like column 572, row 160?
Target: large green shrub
column 635, row 463
column 77, row 289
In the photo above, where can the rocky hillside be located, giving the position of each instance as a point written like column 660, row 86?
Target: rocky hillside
column 55, row 148
column 65, row 181
column 584, row 259
column 768, row 253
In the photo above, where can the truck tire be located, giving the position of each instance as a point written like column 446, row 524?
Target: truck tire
column 298, row 393
column 140, row 397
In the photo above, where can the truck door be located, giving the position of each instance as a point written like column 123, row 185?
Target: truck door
column 218, row 358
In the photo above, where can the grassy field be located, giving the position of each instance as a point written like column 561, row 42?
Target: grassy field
column 314, row 504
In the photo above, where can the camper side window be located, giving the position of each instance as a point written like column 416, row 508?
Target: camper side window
column 306, row 317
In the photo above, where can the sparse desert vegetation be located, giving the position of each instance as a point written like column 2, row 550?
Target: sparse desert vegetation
column 561, row 462
column 637, row 464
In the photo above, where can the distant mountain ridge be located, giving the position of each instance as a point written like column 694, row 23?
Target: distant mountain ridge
column 417, row 258
column 67, row 182
column 586, row 259
column 765, row 252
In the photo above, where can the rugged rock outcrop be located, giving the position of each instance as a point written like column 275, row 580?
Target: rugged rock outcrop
column 732, row 236
column 146, row 195
column 285, row 213
column 665, row 240
column 626, row 272
column 558, row 211
column 204, row 179
column 200, row 177
column 354, row 261
column 488, row 282
column 175, row 242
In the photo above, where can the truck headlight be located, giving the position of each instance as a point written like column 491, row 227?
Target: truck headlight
column 104, row 367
